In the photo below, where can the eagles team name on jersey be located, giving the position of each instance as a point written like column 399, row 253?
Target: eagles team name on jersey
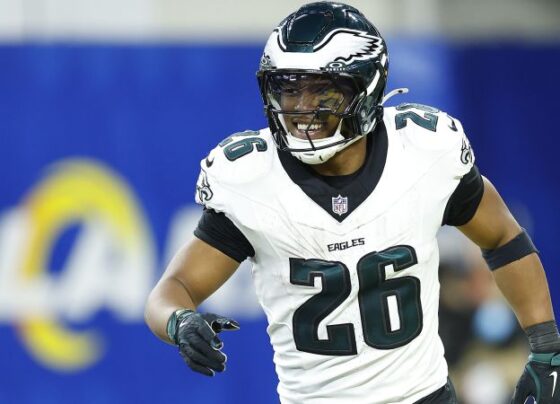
column 346, row 244
column 348, row 278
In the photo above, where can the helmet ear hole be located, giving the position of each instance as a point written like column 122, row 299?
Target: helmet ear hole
column 364, row 118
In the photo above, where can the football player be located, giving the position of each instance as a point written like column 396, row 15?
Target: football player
column 337, row 204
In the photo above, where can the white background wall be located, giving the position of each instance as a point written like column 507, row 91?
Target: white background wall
column 242, row 20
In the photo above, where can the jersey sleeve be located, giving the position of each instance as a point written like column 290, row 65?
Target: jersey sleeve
column 437, row 139
column 442, row 148
column 458, row 167
column 237, row 161
column 223, row 189
column 210, row 192
column 464, row 201
column 214, row 227
column 463, row 158
column 217, row 230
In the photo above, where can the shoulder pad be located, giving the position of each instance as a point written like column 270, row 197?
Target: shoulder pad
column 241, row 157
column 431, row 135
column 423, row 126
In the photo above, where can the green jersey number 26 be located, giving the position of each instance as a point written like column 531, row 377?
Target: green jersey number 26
column 390, row 309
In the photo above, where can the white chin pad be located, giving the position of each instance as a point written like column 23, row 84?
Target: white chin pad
column 317, row 156
column 314, row 156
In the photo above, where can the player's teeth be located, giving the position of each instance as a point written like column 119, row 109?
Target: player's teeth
column 305, row 126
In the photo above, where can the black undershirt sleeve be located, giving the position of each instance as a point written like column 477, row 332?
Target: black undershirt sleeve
column 464, row 201
column 217, row 230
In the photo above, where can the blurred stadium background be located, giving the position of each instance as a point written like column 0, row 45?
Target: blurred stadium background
column 107, row 107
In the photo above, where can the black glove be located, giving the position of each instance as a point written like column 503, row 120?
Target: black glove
column 539, row 382
column 196, row 335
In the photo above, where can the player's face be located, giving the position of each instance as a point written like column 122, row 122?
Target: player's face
column 314, row 101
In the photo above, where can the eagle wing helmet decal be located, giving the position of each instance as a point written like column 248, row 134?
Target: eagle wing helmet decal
column 355, row 45
column 339, row 48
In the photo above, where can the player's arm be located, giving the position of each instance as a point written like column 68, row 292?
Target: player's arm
column 519, row 274
column 194, row 273
column 522, row 281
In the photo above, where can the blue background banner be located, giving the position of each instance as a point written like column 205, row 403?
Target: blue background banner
column 99, row 153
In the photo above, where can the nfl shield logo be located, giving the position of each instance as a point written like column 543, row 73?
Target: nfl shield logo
column 340, row 205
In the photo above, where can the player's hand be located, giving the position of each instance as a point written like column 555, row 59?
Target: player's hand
column 198, row 342
column 539, row 382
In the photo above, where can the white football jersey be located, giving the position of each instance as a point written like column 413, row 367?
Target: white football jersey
column 348, row 278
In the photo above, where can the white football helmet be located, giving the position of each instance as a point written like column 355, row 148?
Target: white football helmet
column 322, row 78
